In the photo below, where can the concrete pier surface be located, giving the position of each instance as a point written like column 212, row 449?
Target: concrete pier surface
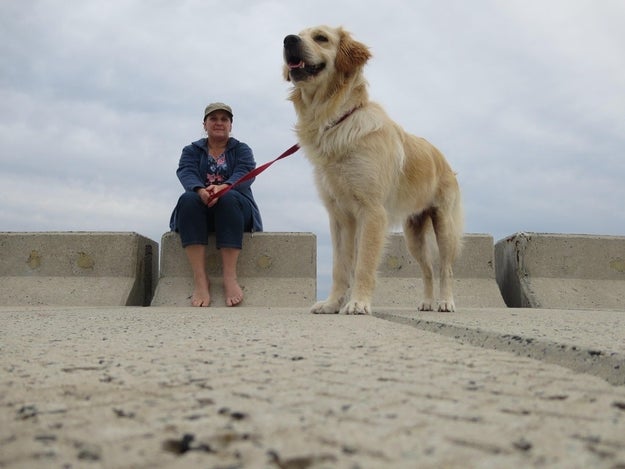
column 253, row 387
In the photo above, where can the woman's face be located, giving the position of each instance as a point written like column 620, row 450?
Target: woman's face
column 218, row 124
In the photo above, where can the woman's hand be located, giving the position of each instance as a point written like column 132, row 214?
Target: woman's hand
column 208, row 195
column 204, row 195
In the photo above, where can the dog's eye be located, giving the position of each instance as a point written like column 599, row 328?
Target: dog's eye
column 320, row 38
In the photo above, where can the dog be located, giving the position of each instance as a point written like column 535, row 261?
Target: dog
column 370, row 173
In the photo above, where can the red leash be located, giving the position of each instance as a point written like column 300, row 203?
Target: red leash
column 253, row 173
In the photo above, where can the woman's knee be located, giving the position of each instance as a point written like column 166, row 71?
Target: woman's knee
column 188, row 198
column 230, row 201
column 191, row 221
column 190, row 205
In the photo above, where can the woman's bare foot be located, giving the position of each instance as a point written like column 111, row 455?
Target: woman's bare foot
column 232, row 292
column 201, row 292
column 201, row 295
column 200, row 298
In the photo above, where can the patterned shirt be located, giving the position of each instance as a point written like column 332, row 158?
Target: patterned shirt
column 217, row 170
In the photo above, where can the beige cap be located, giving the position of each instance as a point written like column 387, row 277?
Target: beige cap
column 212, row 107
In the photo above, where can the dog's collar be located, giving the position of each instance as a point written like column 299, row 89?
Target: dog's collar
column 342, row 118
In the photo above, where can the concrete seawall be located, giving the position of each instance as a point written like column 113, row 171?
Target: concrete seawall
column 77, row 269
column 400, row 282
column 540, row 270
column 275, row 269
column 530, row 270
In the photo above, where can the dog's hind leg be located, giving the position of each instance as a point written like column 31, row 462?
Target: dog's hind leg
column 448, row 231
column 416, row 230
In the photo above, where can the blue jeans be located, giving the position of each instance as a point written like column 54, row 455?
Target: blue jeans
column 229, row 218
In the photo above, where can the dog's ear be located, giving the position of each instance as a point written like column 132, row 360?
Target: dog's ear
column 351, row 54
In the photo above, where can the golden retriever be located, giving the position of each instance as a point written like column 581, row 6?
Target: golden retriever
column 369, row 172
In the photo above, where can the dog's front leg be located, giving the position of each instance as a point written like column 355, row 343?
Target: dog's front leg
column 342, row 234
column 370, row 239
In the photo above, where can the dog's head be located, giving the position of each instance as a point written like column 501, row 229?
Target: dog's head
column 320, row 51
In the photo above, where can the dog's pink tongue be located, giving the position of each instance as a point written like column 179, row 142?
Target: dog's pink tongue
column 301, row 64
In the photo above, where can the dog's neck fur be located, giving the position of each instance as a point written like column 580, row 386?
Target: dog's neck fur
column 331, row 104
column 342, row 118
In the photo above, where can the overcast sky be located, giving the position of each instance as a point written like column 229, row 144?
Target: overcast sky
column 526, row 98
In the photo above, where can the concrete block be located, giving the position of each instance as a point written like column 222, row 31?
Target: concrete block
column 275, row 269
column 77, row 269
column 540, row 270
column 400, row 282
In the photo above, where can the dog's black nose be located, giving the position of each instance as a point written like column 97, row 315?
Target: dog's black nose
column 291, row 39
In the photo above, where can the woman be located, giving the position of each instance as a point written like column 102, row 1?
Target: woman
column 206, row 167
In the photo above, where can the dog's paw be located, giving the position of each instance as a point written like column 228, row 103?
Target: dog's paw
column 447, row 306
column 426, row 306
column 326, row 307
column 356, row 307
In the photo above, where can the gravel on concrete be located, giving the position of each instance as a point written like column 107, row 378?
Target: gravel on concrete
column 131, row 387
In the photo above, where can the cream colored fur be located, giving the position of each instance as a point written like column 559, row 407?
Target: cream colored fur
column 369, row 172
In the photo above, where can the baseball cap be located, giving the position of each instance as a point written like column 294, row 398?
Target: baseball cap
column 212, row 107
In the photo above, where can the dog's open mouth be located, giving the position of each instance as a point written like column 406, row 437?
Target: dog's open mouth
column 294, row 55
column 300, row 70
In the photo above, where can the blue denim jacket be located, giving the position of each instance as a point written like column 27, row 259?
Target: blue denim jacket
column 193, row 166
